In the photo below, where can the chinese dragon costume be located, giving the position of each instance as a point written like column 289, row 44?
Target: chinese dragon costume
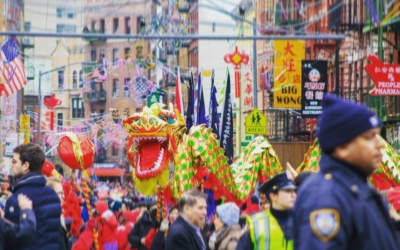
column 165, row 158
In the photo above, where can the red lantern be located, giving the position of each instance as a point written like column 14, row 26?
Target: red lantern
column 77, row 151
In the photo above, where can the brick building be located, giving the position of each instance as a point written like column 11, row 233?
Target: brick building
column 111, row 91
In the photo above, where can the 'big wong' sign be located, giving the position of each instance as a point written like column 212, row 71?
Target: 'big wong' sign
column 385, row 76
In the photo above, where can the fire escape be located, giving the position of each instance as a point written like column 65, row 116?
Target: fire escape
column 384, row 42
column 283, row 125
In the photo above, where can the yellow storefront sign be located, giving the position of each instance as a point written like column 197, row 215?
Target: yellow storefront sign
column 25, row 121
column 256, row 123
column 287, row 73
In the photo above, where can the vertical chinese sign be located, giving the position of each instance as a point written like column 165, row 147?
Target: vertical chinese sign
column 24, row 121
column 9, row 117
column 287, row 73
column 247, row 103
column 314, row 85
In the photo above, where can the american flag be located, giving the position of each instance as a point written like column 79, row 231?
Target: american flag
column 12, row 75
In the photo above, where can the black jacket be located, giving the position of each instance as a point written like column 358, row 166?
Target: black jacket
column 63, row 239
column 183, row 236
column 140, row 230
column 158, row 241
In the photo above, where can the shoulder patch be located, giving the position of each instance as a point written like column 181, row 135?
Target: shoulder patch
column 325, row 223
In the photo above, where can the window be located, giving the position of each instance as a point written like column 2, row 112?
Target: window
column 66, row 28
column 93, row 55
column 74, row 79
column 127, row 52
column 59, row 119
column 127, row 25
column 77, row 108
column 115, row 55
column 80, row 78
column 102, row 26
column 65, row 13
column 60, row 78
column 115, row 88
column 126, row 88
column 60, row 12
column 27, row 26
column 71, row 15
column 93, row 25
column 115, row 25
column 140, row 24
column 102, row 54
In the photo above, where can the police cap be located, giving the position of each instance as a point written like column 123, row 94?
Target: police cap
column 279, row 182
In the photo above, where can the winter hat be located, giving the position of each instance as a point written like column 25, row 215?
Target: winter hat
column 254, row 199
column 228, row 213
column 341, row 121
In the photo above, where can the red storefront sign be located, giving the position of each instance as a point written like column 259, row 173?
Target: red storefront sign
column 385, row 76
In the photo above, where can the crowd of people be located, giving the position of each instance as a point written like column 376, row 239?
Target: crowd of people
column 336, row 208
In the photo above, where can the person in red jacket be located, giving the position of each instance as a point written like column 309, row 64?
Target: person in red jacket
column 85, row 240
column 124, row 228
column 108, row 225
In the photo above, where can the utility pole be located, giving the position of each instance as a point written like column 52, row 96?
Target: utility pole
column 255, row 64
column 337, row 62
column 380, row 99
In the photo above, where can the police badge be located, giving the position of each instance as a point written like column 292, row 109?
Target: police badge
column 325, row 223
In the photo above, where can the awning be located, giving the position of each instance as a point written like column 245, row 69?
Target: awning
column 107, row 171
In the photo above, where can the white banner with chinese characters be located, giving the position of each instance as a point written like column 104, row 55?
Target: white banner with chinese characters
column 8, row 116
column 247, row 102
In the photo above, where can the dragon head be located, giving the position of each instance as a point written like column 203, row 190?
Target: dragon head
column 153, row 135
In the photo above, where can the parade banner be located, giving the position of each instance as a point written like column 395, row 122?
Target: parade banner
column 314, row 84
column 287, row 73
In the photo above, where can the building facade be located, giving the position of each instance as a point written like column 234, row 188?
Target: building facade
column 114, row 85
column 46, row 16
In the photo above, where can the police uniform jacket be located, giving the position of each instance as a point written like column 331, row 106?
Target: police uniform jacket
column 338, row 209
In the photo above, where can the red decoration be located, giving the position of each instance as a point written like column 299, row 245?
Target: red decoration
column 385, row 76
column 51, row 103
column 77, row 151
column 237, row 58
column 48, row 168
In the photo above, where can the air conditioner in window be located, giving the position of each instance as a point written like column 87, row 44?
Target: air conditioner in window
column 115, row 94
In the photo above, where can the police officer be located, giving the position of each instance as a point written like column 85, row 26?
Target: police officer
column 271, row 229
column 337, row 208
